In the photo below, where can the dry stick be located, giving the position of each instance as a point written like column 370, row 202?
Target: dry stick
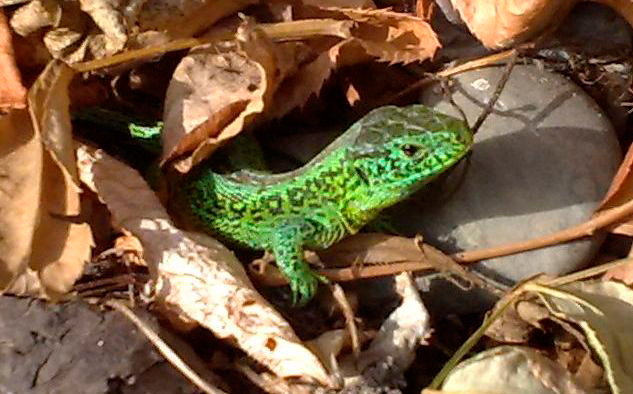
column 474, row 338
column 348, row 313
column 587, row 273
column 292, row 30
column 470, row 65
column 495, row 96
column 164, row 349
column 477, row 63
column 601, row 220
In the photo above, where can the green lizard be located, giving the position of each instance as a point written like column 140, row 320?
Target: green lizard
column 380, row 160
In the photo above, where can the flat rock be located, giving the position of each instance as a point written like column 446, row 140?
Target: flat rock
column 541, row 162
column 75, row 348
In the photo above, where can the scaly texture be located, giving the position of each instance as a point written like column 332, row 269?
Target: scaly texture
column 380, row 160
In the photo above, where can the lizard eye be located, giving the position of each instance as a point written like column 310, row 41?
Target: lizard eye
column 410, row 150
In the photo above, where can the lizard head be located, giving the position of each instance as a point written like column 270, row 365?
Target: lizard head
column 399, row 149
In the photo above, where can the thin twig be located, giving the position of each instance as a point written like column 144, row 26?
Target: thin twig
column 588, row 228
column 348, row 313
column 164, row 349
column 587, row 273
column 477, row 63
column 292, row 30
column 450, row 266
column 495, row 96
column 473, row 339
column 446, row 91
column 470, row 65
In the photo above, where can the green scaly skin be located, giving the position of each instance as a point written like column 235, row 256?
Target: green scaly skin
column 380, row 160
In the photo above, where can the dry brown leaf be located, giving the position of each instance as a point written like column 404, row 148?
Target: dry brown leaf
column 60, row 247
column 12, row 92
column 503, row 23
column 308, row 80
column 340, row 3
column 43, row 183
column 21, row 169
column 101, row 28
column 602, row 310
column 187, row 17
column 622, row 273
column 49, row 107
column 109, row 17
column 511, row 369
column 518, row 321
column 382, row 34
column 27, row 284
column 130, row 248
column 214, row 93
column 407, row 327
column 36, row 15
column 392, row 36
column 67, row 26
column 424, row 9
column 375, row 248
column 196, row 277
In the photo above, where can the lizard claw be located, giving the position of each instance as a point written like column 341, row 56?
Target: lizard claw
column 304, row 286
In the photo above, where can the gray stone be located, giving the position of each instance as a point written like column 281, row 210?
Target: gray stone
column 75, row 348
column 542, row 161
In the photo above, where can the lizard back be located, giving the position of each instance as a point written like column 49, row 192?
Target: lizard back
column 381, row 159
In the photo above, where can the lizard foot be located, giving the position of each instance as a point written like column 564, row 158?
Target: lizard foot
column 304, row 285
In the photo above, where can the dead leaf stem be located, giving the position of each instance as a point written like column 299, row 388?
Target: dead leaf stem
column 585, row 229
column 164, row 349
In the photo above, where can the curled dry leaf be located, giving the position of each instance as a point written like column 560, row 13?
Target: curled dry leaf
column 517, row 322
column 214, row 93
column 60, row 246
column 36, row 15
column 503, row 23
column 408, row 326
column 66, row 24
column 21, row 169
column 341, row 3
column 196, row 277
column 103, row 27
column 296, row 89
column 49, row 105
column 12, row 92
column 392, row 36
column 185, row 18
column 377, row 248
column 602, row 311
column 511, row 369
column 385, row 35
column 109, row 17
column 42, row 194
column 329, row 345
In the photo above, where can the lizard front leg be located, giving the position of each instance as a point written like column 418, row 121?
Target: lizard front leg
column 287, row 245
